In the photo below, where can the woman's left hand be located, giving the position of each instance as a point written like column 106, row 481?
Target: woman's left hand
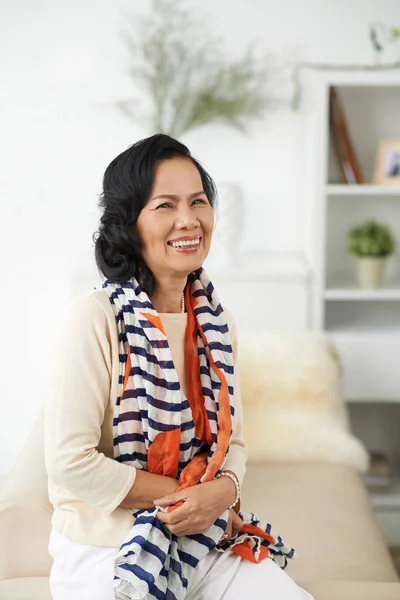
column 202, row 505
column 233, row 527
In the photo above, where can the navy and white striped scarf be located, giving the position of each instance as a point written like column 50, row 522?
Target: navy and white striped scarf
column 152, row 562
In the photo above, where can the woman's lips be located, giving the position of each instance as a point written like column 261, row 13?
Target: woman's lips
column 187, row 249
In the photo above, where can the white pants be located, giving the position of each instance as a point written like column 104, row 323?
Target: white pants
column 81, row 572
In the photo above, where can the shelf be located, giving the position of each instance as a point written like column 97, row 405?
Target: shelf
column 353, row 334
column 370, row 364
column 375, row 77
column 365, row 333
column 355, row 294
column 388, row 499
column 362, row 190
column 372, row 400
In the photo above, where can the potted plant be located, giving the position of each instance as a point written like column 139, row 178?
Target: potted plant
column 371, row 243
column 185, row 80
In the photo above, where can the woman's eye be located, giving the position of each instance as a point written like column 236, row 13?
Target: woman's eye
column 169, row 205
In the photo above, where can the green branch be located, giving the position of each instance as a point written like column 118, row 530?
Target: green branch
column 189, row 82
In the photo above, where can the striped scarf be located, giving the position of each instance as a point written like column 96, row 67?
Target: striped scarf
column 156, row 428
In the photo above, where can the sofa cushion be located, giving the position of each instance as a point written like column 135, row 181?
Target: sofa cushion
column 292, row 401
column 24, row 535
column 37, row 588
column 324, row 512
column 25, row 588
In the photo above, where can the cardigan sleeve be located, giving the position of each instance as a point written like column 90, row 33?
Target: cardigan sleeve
column 74, row 413
column 237, row 455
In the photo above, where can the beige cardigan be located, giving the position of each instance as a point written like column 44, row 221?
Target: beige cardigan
column 86, row 485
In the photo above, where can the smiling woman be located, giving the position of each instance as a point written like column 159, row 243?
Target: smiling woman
column 144, row 431
column 175, row 228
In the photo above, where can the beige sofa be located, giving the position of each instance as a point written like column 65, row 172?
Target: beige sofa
column 295, row 426
column 321, row 509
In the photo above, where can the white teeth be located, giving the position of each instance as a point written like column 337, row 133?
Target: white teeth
column 185, row 243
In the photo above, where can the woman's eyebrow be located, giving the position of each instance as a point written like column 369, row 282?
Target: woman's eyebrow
column 175, row 197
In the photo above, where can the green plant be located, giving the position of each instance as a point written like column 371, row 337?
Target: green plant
column 371, row 239
column 186, row 77
column 379, row 34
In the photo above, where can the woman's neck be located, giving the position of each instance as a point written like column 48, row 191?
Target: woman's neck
column 167, row 298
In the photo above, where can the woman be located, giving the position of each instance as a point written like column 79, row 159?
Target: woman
column 144, row 437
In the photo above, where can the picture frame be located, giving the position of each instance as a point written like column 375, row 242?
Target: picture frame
column 387, row 164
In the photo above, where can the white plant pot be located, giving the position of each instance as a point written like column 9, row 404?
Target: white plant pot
column 370, row 272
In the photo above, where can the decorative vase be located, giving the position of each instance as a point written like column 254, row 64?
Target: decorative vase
column 370, row 272
column 229, row 223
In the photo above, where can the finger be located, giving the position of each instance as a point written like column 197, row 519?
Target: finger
column 228, row 529
column 237, row 521
column 179, row 529
column 171, row 499
column 173, row 517
column 235, row 531
column 224, row 539
column 236, row 526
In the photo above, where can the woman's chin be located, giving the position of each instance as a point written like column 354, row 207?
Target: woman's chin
column 188, row 264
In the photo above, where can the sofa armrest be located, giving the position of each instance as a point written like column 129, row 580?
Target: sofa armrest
column 24, row 534
column 25, row 588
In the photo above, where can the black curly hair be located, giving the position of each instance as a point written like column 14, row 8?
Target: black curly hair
column 127, row 185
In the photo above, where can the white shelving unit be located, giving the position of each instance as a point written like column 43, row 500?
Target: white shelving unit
column 361, row 190
column 349, row 293
column 364, row 324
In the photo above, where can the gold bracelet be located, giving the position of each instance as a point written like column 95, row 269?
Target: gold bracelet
column 235, row 480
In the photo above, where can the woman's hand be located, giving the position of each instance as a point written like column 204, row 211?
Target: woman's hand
column 232, row 529
column 202, row 505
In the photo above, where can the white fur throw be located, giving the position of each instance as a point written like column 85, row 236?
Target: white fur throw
column 292, row 401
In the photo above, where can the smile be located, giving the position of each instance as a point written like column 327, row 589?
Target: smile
column 185, row 245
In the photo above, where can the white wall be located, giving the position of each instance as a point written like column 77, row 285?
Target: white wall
column 62, row 66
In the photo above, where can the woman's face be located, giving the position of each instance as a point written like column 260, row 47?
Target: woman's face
column 176, row 223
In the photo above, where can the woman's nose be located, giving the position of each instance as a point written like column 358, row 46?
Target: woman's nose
column 187, row 218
